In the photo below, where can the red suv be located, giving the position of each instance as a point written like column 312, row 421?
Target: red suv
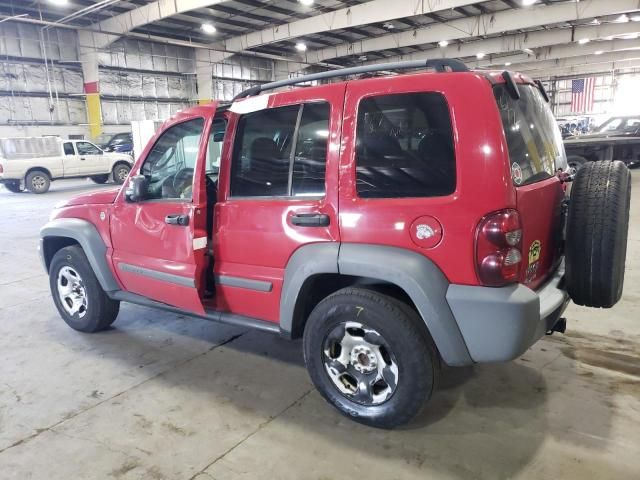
column 393, row 222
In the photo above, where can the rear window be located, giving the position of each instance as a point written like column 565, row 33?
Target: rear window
column 404, row 146
column 533, row 137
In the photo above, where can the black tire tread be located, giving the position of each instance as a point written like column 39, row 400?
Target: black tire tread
column 102, row 309
column 597, row 227
column 406, row 320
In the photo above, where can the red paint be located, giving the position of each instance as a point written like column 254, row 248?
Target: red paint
column 426, row 231
column 92, row 87
column 254, row 238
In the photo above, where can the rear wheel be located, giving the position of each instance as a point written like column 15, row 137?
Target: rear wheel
column 37, row 181
column 100, row 179
column 13, row 186
column 120, row 173
column 575, row 163
column 79, row 298
column 370, row 357
column 597, row 226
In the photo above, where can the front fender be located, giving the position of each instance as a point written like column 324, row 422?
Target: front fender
column 87, row 236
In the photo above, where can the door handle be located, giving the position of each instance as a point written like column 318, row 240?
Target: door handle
column 311, row 220
column 82, row 158
column 177, row 219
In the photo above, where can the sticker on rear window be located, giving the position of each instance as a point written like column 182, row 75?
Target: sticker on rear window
column 516, row 173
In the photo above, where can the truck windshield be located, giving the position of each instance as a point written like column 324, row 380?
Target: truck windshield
column 533, row 137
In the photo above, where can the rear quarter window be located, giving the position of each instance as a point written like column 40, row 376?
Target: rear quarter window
column 532, row 134
column 404, row 146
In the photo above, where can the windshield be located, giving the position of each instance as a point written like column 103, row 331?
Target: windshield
column 620, row 124
column 532, row 135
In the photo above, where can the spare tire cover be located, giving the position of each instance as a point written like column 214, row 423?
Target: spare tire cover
column 596, row 240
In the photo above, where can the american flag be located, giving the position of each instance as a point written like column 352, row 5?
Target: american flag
column 582, row 93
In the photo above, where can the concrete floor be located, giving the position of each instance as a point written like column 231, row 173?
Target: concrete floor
column 161, row 396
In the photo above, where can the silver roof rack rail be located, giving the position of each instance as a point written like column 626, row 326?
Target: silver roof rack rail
column 439, row 65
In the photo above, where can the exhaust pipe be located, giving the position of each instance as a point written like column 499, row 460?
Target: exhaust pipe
column 560, row 326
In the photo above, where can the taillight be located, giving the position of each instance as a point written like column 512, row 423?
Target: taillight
column 498, row 248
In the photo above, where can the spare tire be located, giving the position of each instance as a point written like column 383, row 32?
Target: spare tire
column 597, row 226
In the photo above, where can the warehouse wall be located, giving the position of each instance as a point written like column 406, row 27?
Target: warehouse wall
column 33, row 92
column 141, row 80
column 41, row 81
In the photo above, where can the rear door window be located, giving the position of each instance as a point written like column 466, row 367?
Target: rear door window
column 532, row 134
column 404, row 146
column 68, row 148
column 281, row 152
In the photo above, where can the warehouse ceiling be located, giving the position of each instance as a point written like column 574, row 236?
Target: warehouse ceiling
column 352, row 32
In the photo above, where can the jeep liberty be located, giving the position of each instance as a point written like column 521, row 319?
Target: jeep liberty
column 395, row 223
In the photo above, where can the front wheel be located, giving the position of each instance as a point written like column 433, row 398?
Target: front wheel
column 120, row 173
column 13, row 186
column 370, row 357
column 79, row 298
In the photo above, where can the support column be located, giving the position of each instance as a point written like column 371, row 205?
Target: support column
column 90, row 73
column 205, row 59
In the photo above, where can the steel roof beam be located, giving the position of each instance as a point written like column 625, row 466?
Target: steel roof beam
column 516, row 43
column 481, row 25
column 375, row 11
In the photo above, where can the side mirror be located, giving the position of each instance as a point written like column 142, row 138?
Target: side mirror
column 137, row 189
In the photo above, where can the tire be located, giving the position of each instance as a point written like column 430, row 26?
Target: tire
column 13, row 186
column 85, row 306
column 99, row 179
column 405, row 352
column 120, row 173
column 37, row 181
column 576, row 162
column 597, row 226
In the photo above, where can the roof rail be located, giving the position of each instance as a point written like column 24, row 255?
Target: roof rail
column 439, row 65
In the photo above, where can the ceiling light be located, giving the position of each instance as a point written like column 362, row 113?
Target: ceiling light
column 526, row 3
column 306, row 3
column 208, row 28
column 443, row 43
column 598, row 52
column 362, row 58
column 622, row 18
column 480, row 55
column 635, row 18
column 388, row 25
column 629, row 36
column 595, row 21
column 59, row 2
column 507, row 64
column 301, row 47
column 582, row 41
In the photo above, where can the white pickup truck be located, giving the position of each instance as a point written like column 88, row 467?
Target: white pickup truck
column 34, row 162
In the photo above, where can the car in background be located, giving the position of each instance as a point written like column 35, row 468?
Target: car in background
column 616, row 139
column 32, row 163
column 120, row 143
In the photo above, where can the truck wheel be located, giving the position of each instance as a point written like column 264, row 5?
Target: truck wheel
column 575, row 163
column 597, row 225
column 369, row 357
column 37, row 181
column 120, row 173
column 78, row 296
column 99, row 179
column 13, row 186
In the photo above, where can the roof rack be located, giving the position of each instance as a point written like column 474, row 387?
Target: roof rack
column 439, row 65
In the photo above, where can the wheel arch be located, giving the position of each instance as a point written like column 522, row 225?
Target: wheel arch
column 63, row 232
column 38, row 169
column 315, row 271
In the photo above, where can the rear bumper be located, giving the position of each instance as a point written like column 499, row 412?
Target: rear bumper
column 500, row 324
